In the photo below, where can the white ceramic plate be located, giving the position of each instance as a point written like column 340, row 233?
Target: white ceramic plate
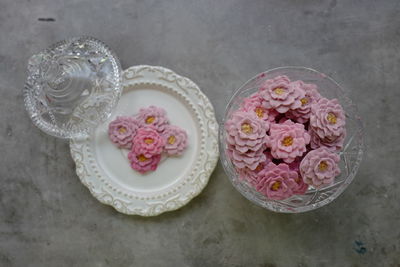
column 105, row 169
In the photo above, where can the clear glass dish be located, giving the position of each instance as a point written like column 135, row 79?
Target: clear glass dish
column 351, row 154
column 72, row 86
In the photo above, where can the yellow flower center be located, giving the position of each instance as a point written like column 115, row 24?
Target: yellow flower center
column 150, row 119
column 275, row 186
column 331, row 118
column 246, row 128
column 171, row 140
column 149, row 141
column 287, row 141
column 260, row 112
column 142, row 158
column 259, row 167
column 304, row 101
column 323, row 166
column 122, row 130
column 279, row 90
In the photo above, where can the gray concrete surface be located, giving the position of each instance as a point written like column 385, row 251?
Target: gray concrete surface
column 48, row 218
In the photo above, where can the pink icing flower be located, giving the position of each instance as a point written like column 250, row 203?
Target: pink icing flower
column 253, row 104
column 320, row 167
column 250, row 159
column 277, row 181
column 122, row 130
column 335, row 144
column 280, row 94
column 147, row 142
column 143, row 164
column 246, row 132
column 327, row 119
column 302, row 114
column 301, row 187
column 288, row 140
column 252, row 175
column 175, row 140
column 153, row 116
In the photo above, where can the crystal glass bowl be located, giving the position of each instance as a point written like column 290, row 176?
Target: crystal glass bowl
column 351, row 153
column 72, row 86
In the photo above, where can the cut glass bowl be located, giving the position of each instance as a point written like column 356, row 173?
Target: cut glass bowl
column 351, row 153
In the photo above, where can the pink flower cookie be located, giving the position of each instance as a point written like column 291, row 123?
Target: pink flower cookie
column 250, row 159
column 336, row 144
column 288, row 140
column 147, row 142
column 320, row 167
column 246, row 132
column 175, row 140
column 143, row 164
column 252, row 175
column 277, row 181
column 303, row 113
column 153, row 116
column 301, row 187
column 327, row 119
column 281, row 95
column 254, row 104
column 122, row 130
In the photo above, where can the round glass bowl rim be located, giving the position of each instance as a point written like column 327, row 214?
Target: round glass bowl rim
column 349, row 178
column 54, row 130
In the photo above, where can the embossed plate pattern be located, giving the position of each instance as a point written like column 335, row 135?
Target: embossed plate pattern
column 105, row 170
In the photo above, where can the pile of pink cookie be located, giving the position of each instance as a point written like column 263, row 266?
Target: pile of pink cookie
column 285, row 138
column 147, row 135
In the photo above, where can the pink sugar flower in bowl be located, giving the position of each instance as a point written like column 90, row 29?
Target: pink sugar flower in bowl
column 327, row 119
column 334, row 144
column 175, row 140
column 153, row 116
column 122, row 130
column 147, row 142
column 250, row 159
column 302, row 126
column 246, row 132
column 320, row 167
column 254, row 104
column 143, row 164
column 302, row 114
column 277, row 181
column 288, row 140
column 281, row 95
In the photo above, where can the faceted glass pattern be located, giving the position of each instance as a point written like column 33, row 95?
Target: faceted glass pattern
column 72, row 87
column 351, row 154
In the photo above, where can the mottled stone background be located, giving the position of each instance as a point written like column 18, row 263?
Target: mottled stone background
column 48, row 218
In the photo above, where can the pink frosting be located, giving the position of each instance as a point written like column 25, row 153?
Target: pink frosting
column 254, row 104
column 246, row 132
column 122, row 130
column 288, row 140
column 301, row 187
column 250, row 159
column 327, row 119
column 143, row 164
column 277, row 181
column 303, row 113
column 320, row 167
column 279, row 94
column 335, row 144
column 175, row 140
column 252, row 175
column 148, row 142
column 153, row 116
